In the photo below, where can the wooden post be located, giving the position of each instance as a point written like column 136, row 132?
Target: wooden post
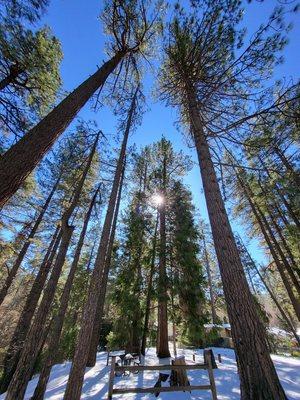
column 219, row 358
column 194, row 357
column 107, row 360
column 111, row 377
column 211, row 377
column 209, row 352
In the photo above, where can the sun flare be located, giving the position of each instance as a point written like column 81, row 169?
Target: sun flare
column 158, row 199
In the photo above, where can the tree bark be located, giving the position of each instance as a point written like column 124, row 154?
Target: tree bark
column 211, row 292
column 32, row 345
column 21, row 330
column 57, row 325
column 102, row 293
column 23, row 251
column 76, row 376
column 17, row 163
column 162, row 349
column 149, row 291
column 259, row 380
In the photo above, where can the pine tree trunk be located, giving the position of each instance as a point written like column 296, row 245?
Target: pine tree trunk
column 294, row 267
column 22, row 328
column 149, row 291
column 260, row 218
column 76, row 376
column 289, row 262
column 17, row 163
column 33, row 342
column 280, row 309
column 295, row 174
column 287, row 205
column 23, row 251
column 102, row 293
column 162, row 349
column 279, row 251
column 57, row 325
column 259, row 380
column 211, row 292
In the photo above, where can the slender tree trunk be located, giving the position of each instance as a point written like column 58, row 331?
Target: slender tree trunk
column 295, row 174
column 102, row 293
column 149, row 291
column 259, row 380
column 280, row 309
column 32, row 345
column 76, row 376
column 278, row 249
column 211, row 291
column 17, row 163
column 289, row 262
column 260, row 218
column 162, row 349
column 287, row 205
column 21, row 330
column 273, row 297
column 57, row 325
column 294, row 267
column 23, row 251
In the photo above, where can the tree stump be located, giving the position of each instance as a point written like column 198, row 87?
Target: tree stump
column 179, row 377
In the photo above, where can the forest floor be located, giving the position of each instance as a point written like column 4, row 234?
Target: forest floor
column 227, row 381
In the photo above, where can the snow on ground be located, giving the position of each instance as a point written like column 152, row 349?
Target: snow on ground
column 227, row 382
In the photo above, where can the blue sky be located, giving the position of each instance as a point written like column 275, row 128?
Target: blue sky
column 76, row 24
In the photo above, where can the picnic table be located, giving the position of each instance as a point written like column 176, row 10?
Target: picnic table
column 115, row 353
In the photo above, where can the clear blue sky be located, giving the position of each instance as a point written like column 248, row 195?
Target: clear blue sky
column 76, row 24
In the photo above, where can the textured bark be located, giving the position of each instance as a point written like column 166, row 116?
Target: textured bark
column 17, row 163
column 76, row 376
column 32, row 345
column 258, row 377
column 33, row 341
column 211, row 292
column 162, row 349
column 21, row 330
column 149, row 291
column 23, row 251
column 104, row 279
column 57, row 324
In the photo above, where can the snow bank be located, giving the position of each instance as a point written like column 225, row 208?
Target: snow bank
column 227, row 381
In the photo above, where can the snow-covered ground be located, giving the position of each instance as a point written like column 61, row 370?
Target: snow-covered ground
column 96, row 379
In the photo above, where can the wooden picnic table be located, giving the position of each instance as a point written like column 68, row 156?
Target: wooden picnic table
column 115, row 353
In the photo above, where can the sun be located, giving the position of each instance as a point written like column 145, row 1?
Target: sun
column 158, row 199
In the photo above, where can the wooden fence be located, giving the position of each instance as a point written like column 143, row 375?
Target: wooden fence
column 134, row 368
